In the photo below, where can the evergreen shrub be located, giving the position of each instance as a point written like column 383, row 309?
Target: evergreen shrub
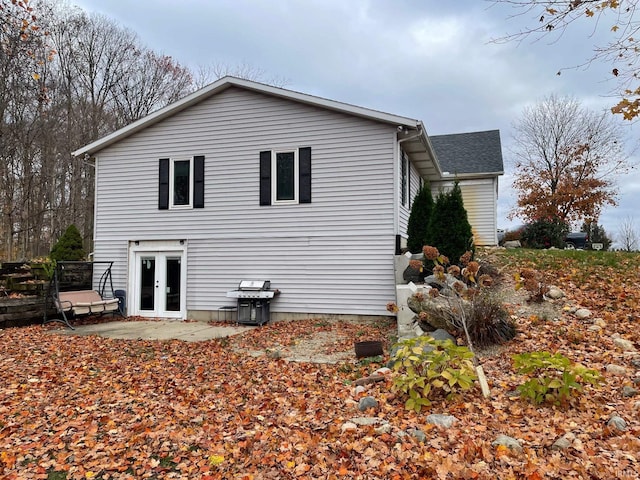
column 69, row 246
column 418, row 226
column 545, row 233
column 449, row 226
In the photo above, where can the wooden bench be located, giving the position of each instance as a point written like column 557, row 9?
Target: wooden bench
column 85, row 302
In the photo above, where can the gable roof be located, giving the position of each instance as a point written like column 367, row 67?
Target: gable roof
column 420, row 144
column 471, row 153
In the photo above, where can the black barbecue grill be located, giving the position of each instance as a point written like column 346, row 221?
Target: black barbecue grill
column 254, row 298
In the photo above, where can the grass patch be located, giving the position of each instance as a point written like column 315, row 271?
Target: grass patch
column 583, row 262
column 56, row 475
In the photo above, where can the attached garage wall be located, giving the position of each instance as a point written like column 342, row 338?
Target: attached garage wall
column 480, row 201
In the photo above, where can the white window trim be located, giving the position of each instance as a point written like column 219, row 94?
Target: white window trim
column 171, row 183
column 296, row 177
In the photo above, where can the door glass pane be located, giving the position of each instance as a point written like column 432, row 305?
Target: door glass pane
column 147, row 283
column 181, row 182
column 285, row 181
column 173, row 284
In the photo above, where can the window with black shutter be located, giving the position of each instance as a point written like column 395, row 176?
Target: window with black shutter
column 285, row 176
column 181, row 183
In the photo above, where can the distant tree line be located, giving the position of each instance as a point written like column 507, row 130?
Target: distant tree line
column 68, row 78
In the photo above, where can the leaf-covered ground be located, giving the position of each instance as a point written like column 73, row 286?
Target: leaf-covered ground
column 95, row 408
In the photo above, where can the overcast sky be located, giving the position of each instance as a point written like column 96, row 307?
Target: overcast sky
column 431, row 60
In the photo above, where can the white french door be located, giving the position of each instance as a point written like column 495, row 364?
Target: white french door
column 158, row 284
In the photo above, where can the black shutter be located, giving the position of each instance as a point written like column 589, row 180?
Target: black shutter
column 198, row 181
column 304, row 157
column 163, row 184
column 265, row 177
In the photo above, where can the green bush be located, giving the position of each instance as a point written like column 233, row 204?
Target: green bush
column 69, row 246
column 545, row 233
column 418, row 225
column 428, row 368
column 553, row 378
column 449, row 227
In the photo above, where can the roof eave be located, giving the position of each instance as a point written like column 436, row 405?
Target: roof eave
column 469, row 176
column 418, row 147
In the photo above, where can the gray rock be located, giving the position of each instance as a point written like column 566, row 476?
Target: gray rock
column 441, row 420
column 441, row 334
column 563, row 442
column 617, row 422
column 366, row 421
column 512, row 244
column 636, row 362
column 411, row 274
column 348, row 427
column 418, row 435
column 624, row 344
column 382, row 429
column 616, row 369
column 636, row 406
column 438, row 309
column 555, row 293
column 583, row 313
column 509, row 442
column 367, row 402
column 628, row 391
column 595, row 328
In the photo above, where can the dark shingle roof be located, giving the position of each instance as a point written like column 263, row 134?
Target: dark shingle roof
column 474, row 152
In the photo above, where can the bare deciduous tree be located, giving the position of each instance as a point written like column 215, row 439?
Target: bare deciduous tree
column 206, row 74
column 69, row 78
column 628, row 235
column 567, row 158
column 152, row 81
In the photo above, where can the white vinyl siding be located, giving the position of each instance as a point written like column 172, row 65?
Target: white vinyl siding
column 334, row 255
column 480, row 199
column 316, row 274
column 405, row 211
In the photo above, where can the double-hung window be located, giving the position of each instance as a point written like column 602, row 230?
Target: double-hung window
column 181, row 183
column 285, row 176
column 284, row 181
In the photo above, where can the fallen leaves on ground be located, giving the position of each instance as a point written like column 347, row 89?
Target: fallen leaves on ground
column 96, row 408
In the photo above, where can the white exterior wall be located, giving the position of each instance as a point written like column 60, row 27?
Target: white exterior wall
column 405, row 211
column 480, row 202
column 334, row 255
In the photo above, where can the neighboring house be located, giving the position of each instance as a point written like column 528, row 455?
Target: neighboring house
column 241, row 180
column 475, row 160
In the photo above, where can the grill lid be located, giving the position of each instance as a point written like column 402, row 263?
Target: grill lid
column 254, row 285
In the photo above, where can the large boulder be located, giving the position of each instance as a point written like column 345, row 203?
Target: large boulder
column 411, row 274
column 438, row 310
